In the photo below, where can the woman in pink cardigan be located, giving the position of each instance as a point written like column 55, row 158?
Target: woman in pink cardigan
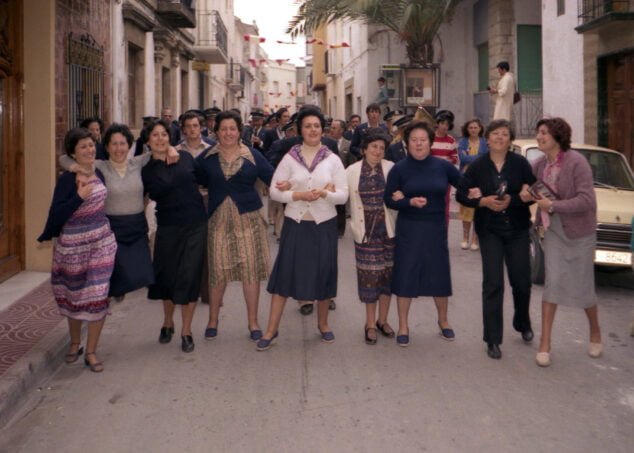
column 568, row 213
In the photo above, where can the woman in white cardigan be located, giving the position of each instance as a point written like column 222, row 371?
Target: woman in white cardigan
column 311, row 180
column 372, row 225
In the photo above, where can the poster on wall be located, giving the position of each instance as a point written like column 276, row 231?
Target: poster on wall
column 420, row 87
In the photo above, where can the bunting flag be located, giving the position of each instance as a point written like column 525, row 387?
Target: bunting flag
column 279, row 61
column 315, row 41
column 253, row 62
column 338, row 46
column 254, row 38
column 277, row 95
column 285, row 42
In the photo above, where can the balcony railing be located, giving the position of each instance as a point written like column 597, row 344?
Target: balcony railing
column 179, row 13
column 211, row 38
column 236, row 76
column 594, row 13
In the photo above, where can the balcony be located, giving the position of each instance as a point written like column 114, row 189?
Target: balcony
column 595, row 14
column 211, row 38
column 236, row 76
column 178, row 13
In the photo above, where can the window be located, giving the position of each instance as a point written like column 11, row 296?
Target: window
column 561, row 7
column 529, row 57
column 483, row 66
column 86, row 73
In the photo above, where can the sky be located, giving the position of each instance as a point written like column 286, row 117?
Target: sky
column 272, row 17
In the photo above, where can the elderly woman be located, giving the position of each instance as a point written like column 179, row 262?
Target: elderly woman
column 417, row 187
column 181, row 235
column 492, row 185
column 237, row 241
column 84, row 252
column 471, row 146
column 372, row 227
column 568, row 213
column 311, row 180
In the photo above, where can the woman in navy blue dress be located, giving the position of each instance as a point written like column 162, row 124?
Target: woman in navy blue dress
column 416, row 187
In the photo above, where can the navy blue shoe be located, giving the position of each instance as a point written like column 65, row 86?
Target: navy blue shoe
column 327, row 337
column 211, row 333
column 255, row 334
column 263, row 344
column 448, row 333
column 402, row 340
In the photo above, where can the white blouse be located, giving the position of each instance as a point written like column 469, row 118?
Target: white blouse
column 328, row 171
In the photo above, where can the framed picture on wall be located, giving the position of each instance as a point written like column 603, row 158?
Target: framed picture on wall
column 420, row 87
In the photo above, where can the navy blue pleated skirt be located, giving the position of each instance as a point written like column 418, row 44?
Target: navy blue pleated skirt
column 421, row 258
column 133, row 263
column 306, row 264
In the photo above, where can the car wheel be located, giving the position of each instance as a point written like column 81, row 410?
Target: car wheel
column 537, row 258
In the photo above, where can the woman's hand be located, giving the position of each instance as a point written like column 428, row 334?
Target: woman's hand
column 310, row 195
column 398, row 195
column 544, row 203
column 494, row 204
column 172, row 156
column 84, row 188
column 330, row 187
column 283, row 186
column 525, row 195
column 474, row 193
column 418, row 202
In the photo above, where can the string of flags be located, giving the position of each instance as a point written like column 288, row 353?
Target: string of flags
column 254, row 38
column 320, row 42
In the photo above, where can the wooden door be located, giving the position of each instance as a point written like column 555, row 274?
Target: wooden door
column 620, row 94
column 11, row 143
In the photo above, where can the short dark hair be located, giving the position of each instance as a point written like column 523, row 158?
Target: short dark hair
column 381, row 79
column 372, row 135
column 228, row 115
column 499, row 124
column 279, row 113
column 503, row 65
column 309, row 111
column 353, row 116
column 72, row 138
column 465, row 127
column 373, row 107
column 117, row 128
column 559, row 129
column 190, row 116
column 91, row 119
column 343, row 123
column 419, row 125
column 150, row 127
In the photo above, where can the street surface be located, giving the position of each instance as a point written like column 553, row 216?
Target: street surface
column 305, row 395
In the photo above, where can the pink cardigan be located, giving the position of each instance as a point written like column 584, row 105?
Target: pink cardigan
column 577, row 205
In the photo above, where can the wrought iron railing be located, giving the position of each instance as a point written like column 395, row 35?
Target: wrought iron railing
column 86, row 79
column 527, row 112
column 211, row 30
column 590, row 10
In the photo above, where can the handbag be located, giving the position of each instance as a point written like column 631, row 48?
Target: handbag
column 517, row 97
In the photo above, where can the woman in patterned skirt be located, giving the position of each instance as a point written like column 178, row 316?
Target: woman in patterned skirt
column 236, row 242
column 83, row 255
column 372, row 226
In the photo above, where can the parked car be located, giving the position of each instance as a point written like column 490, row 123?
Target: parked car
column 614, row 188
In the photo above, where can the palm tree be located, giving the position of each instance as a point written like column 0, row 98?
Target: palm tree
column 416, row 22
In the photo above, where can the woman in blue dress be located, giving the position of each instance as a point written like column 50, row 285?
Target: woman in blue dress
column 416, row 187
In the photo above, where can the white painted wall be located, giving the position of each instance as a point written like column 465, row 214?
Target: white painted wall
column 119, row 76
column 562, row 54
column 286, row 78
column 149, row 84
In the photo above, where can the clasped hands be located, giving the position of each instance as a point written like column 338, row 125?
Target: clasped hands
column 417, row 202
column 307, row 195
column 491, row 201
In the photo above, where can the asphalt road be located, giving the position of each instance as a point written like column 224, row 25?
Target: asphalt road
column 304, row 395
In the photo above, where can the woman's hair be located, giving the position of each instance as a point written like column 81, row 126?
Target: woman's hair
column 228, row 115
column 117, row 128
column 418, row 125
column 152, row 125
column 465, row 127
column 559, row 129
column 309, row 111
column 374, row 135
column 91, row 119
column 499, row 124
column 72, row 138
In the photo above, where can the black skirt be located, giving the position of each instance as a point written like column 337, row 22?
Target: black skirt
column 178, row 262
column 306, row 263
column 133, row 263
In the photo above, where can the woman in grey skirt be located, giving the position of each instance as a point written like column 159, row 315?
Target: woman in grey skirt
column 568, row 213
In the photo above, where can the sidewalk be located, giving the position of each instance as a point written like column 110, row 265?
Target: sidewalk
column 32, row 338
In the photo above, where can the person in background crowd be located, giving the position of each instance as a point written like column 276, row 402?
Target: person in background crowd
column 337, row 129
column 505, row 91
column 181, row 235
column 389, row 119
column 84, row 252
column 471, row 146
column 397, row 150
column 282, row 117
column 353, row 122
column 492, row 185
column 382, row 98
column 570, row 222
column 416, row 187
column 372, row 227
column 237, row 242
column 210, row 120
column 175, row 131
column 444, row 146
column 311, row 180
column 251, row 133
column 140, row 146
column 373, row 111
column 94, row 124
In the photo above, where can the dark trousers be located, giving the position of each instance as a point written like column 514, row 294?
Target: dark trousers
column 499, row 246
column 341, row 219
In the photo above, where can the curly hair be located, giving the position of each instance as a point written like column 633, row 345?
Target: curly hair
column 228, row 115
column 559, row 129
column 116, row 128
column 419, row 125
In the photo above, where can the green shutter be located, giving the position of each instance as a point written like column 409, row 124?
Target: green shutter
column 529, row 57
column 483, row 66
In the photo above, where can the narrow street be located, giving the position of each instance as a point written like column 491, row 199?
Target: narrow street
column 304, row 395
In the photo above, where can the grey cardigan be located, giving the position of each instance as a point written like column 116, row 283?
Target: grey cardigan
column 577, row 203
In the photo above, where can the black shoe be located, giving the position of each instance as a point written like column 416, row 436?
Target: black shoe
column 527, row 335
column 188, row 343
column 332, row 305
column 493, row 351
column 166, row 334
column 306, row 309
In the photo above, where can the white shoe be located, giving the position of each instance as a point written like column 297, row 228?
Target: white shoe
column 595, row 350
column 475, row 247
column 464, row 245
column 543, row 359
